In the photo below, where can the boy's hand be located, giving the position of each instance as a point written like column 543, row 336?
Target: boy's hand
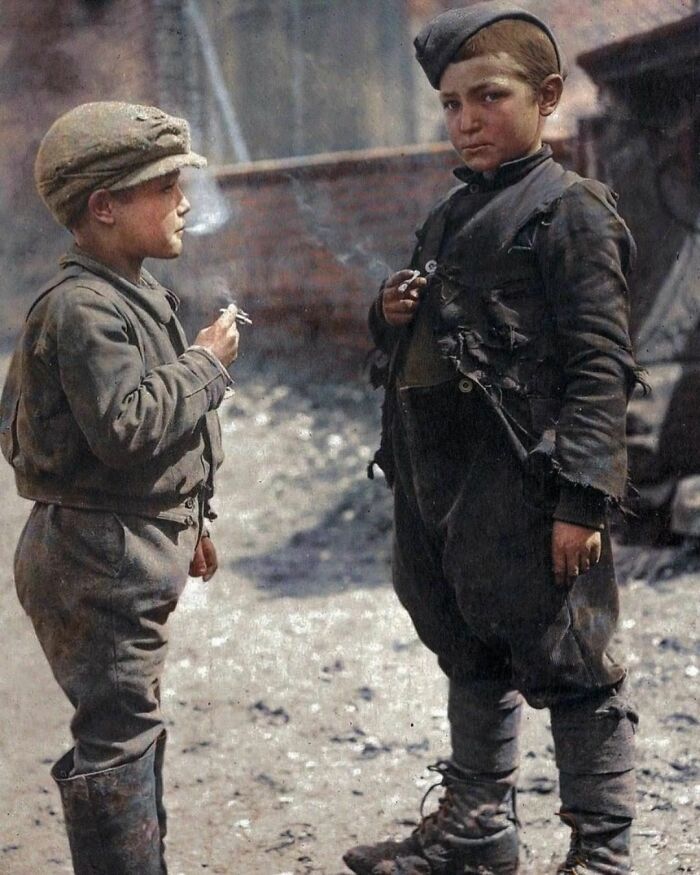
column 400, row 297
column 221, row 337
column 204, row 562
column 575, row 550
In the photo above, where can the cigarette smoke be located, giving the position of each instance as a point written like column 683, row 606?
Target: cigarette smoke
column 348, row 244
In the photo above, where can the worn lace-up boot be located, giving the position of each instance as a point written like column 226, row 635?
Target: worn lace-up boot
column 594, row 744
column 599, row 845
column 474, row 830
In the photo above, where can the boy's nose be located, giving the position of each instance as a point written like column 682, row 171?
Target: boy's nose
column 184, row 206
column 468, row 120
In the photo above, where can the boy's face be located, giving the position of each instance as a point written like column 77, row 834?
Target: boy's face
column 491, row 113
column 150, row 218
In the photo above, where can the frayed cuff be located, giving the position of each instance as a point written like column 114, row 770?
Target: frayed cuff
column 581, row 505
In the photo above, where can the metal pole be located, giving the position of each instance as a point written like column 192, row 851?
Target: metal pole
column 218, row 83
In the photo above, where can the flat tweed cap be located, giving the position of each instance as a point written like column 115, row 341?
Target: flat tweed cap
column 107, row 145
column 439, row 40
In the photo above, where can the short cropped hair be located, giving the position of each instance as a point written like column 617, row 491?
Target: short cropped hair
column 524, row 41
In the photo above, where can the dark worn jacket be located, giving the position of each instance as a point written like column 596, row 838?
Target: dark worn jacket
column 530, row 302
column 104, row 406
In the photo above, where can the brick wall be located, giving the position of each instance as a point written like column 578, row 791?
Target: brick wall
column 309, row 242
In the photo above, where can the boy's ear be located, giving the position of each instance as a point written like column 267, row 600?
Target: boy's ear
column 100, row 206
column 550, row 94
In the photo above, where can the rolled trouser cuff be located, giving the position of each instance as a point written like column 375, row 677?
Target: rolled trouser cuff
column 594, row 742
column 595, row 735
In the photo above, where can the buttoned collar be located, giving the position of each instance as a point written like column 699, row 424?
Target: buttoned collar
column 149, row 294
column 506, row 174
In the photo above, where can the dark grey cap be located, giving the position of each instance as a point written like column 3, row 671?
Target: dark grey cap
column 438, row 42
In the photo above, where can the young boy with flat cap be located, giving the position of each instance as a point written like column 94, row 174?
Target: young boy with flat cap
column 109, row 420
column 508, row 373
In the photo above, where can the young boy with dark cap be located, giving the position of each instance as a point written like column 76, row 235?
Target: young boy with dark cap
column 508, row 373
column 109, row 420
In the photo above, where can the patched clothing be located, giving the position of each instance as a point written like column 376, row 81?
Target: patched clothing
column 505, row 408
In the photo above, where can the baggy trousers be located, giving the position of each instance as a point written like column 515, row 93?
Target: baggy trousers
column 472, row 565
column 99, row 588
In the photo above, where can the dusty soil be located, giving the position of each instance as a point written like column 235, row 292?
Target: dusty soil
column 302, row 710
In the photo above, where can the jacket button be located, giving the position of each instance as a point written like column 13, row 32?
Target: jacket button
column 466, row 386
column 189, row 520
column 189, row 502
column 431, row 266
column 474, row 187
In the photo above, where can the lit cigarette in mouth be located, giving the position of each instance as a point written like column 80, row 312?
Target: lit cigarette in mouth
column 404, row 285
column 241, row 315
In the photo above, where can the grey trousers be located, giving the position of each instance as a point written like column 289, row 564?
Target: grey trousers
column 594, row 743
column 99, row 588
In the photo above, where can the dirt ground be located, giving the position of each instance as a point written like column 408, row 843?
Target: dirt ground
column 302, row 710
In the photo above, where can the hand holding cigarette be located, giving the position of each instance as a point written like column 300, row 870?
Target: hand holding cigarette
column 221, row 338
column 403, row 288
column 240, row 315
column 401, row 296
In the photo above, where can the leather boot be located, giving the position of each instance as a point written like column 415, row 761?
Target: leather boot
column 474, row 830
column 471, row 832
column 594, row 744
column 599, row 845
column 112, row 818
column 158, row 762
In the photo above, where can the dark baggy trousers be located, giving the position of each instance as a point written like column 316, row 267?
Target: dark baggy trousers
column 472, row 565
column 472, row 558
column 99, row 588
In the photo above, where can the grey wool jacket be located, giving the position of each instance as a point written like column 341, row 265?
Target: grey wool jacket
column 105, row 407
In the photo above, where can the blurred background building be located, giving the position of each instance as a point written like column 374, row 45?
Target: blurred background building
column 259, row 80
column 326, row 148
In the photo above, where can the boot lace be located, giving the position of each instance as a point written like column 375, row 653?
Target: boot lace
column 445, row 802
column 575, row 864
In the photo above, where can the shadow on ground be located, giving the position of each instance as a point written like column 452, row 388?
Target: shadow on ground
column 348, row 548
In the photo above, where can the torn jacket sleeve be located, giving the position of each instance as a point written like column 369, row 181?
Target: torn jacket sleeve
column 585, row 252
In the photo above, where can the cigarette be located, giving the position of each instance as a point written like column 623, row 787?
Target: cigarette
column 241, row 315
column 407, row 283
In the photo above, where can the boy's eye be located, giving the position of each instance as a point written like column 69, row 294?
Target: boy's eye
column 492, row 96
column 450, row 105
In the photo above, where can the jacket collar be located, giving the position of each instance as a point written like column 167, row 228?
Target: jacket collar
column 506, row 174
column 160, row 302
